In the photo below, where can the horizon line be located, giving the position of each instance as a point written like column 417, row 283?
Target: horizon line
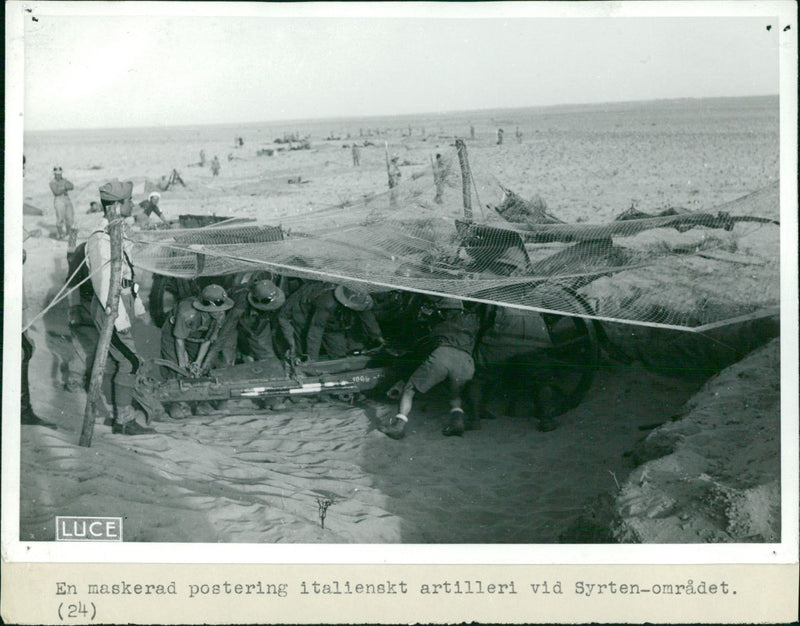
column 400, row 115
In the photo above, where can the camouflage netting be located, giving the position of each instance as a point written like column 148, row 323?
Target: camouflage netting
column 681, row 269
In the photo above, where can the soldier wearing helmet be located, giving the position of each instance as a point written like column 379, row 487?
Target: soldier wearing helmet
column 320, row 316
column 187, row 335
column 450, row 361
column 257, row 320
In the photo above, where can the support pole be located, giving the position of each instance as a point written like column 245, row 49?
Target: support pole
column 112, row 306
column 466, row 178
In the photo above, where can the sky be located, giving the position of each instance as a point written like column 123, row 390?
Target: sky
column 108, row 71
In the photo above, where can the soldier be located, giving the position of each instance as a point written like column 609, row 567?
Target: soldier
column 122, row 349
column 147, row 207
column 394, row 179
column 215, row 166
column 254, row 320
column 65, row 213
column 508, row 348
column 439, row 177
column 322, row 315
column 499, row 136
column 189, row 336
column 27, row 414
column 356, row 155
column 451, row 360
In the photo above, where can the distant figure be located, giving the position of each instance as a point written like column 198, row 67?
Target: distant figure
column 141, row 216
column 23, row 166
column 215, row 166
column 356, row 155
column 394, row 179
column 518, row 135
column 202, row 158
column 241, row 142
column 499, row 136
column 439, row 176
column 65, row 213
column 471, row 131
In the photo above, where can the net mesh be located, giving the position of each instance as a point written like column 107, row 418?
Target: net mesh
column 443, row 233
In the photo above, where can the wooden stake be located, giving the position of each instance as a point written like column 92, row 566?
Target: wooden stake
column 466, row 178
column 112, row 306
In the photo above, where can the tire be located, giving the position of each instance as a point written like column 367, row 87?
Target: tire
column 165, row 294
column 571, row 364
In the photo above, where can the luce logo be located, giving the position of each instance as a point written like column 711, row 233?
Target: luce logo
column 88, row 528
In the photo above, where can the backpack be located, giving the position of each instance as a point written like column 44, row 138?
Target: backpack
column 74, row 260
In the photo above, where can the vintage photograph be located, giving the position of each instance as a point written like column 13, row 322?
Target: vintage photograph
column 339, row 278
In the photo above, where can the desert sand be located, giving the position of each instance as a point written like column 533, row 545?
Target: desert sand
column 255, row 476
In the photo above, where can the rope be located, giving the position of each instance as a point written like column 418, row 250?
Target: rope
column 58, row 299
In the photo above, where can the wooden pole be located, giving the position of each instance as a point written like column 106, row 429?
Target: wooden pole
column 112, row 306
column 466, row 178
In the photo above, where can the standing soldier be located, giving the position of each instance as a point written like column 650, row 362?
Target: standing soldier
column 394, row 179
column 356, row 155
column 122, row 348
column 215, row 166
column 202, row 158
column 439, row 177
column 518, row 135
column 65, row 213
column 471, row 131
column 499, row 136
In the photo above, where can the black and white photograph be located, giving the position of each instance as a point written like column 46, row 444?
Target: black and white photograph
column 382, row 277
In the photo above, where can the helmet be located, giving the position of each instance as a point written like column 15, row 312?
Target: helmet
column 513, row 257
column 266, row 296
column 353, row 299
column 213, row 299
column 449, row 304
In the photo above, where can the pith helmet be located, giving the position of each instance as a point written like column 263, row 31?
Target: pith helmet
column 444, row 304
column 514, row 258
column 213, row 299
column 352, row 299
column 266, row 296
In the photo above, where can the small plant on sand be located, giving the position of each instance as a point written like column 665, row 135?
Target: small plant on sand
column 323, row 504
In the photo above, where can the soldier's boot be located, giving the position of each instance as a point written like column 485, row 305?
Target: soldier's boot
column 179, row 410
column 455, row 424
column 126, row 423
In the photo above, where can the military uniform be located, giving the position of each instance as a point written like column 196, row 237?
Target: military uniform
column 122, row 348
column 65, row 212
column 195, row 327
column 452, row 357
column 313, row 319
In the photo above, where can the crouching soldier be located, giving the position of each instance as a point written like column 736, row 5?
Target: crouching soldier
column 189, row 337
column 258, row 322
column 336, row 318
column 122, row 349
column 252, row 322
column 451, row 360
